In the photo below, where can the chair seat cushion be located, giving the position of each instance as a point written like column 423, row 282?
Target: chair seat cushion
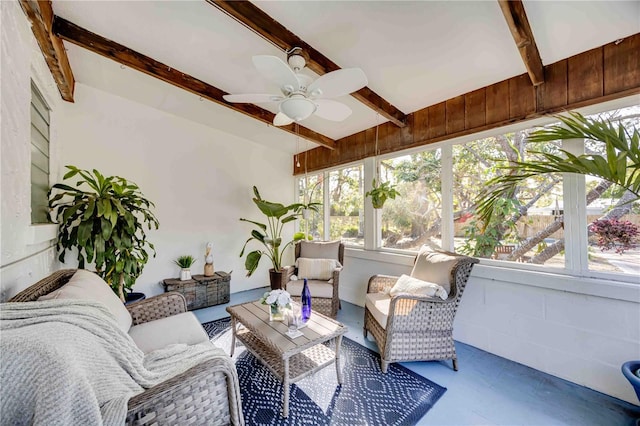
column 411, row 285
column 317, row 288
column 86, row 285
column 182, row 328
column 378, row 305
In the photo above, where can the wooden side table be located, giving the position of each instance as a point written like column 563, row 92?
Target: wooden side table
column 201, row 291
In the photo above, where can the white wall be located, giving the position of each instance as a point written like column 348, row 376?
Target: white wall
column 27, row 255
column 581, row 330
column 200, row 179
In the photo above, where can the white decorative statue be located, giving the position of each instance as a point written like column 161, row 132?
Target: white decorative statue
column 208, row 261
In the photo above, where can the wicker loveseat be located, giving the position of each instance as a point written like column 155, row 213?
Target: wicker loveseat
column 409, row 327
column 206, row 394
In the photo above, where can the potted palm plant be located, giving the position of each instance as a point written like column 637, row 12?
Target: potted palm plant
column 104, row 218
column 185, row 262
column 269, row 235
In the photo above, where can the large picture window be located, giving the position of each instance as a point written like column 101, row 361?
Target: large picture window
column 310, row 191
column 346, row 207
column 529, row 226
column 574, row 224
column 414, row 218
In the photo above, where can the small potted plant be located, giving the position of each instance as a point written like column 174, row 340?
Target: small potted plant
column 381, row 192
column 185, row 262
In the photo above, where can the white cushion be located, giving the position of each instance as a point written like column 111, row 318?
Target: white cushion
column 182, row 328
column 320, row 250
column 316, row 269
column 378, row 305
column 411, row 285
column 88, row 286
column 434, row 267
column 316, row 288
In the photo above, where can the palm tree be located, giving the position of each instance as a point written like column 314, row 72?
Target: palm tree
column 620, row 166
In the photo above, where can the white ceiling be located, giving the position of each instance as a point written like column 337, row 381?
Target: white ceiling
column 414, row 54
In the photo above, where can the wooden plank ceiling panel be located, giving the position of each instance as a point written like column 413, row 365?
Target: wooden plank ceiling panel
column 598, row 75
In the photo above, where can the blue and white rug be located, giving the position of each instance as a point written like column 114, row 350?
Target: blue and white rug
column 366, row 397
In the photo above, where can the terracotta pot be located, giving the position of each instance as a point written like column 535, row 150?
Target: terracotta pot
column 275, row 278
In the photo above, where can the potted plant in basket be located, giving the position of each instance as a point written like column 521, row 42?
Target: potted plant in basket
column 106, row 224
column 185, row 262
column 270, row 236
column 380, row 192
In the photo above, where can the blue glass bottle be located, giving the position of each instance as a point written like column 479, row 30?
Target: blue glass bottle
column 306, row 302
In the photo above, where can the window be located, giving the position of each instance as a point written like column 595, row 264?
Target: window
column 414, row 218
column 39, row 157
column 613, row 219
column 346, row 206
column 598, row 236
column 311, row 190
column 529, row 227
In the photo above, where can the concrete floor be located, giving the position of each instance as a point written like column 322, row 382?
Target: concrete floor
column 488, row 390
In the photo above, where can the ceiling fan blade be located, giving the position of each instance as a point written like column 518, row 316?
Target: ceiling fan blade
column 276, row 70
column 332, row 110
column 338, row 83
column 281, row 119
column 252, row 98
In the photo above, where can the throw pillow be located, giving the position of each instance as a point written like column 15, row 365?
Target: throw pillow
column 435, row 267
column 316, row 269
column 411, row 285
column 88, row 286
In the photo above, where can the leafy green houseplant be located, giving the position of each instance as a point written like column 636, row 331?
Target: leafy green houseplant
column 269, row 235
column 185, row 262
column 381, row 192
column 104, row 218
column 620, row 165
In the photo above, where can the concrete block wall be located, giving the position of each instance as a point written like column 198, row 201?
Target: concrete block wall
column 579, row 329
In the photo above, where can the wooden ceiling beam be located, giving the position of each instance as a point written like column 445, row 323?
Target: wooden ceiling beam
column 259, row 22
column 516, row 17
column 40, row 14
column 110, row 49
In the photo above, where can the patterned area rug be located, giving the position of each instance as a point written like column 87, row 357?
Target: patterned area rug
column 366, row 397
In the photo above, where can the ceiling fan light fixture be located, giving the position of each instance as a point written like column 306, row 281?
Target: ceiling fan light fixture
column 297, row 107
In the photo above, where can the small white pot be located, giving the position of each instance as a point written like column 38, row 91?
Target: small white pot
column 185, row 274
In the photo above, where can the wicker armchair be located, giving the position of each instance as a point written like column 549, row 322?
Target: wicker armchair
column 324, row 294
column 206, row 394
column 417, row 328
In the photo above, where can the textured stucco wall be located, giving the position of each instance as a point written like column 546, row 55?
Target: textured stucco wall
column 25, row 257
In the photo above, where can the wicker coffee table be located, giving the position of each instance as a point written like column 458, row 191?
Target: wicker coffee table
column 289, row 359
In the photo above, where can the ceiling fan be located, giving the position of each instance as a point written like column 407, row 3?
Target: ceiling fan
column 301, row 95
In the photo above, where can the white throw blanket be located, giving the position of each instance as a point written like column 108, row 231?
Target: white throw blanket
column 67, row 362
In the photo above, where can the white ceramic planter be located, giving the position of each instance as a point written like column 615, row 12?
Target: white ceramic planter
column 185, row 274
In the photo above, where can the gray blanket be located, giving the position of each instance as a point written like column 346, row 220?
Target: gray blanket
column 66, row 362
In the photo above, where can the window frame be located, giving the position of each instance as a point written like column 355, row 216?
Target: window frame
column 574, row 190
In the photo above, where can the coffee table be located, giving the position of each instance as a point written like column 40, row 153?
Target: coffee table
column 289, row 359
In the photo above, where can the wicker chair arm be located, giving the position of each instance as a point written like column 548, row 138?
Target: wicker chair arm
column 207, row 393
column 156, row 307
column 409, row 312
column 381, row 283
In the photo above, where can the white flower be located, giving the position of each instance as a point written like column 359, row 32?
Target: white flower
column 279, row 297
